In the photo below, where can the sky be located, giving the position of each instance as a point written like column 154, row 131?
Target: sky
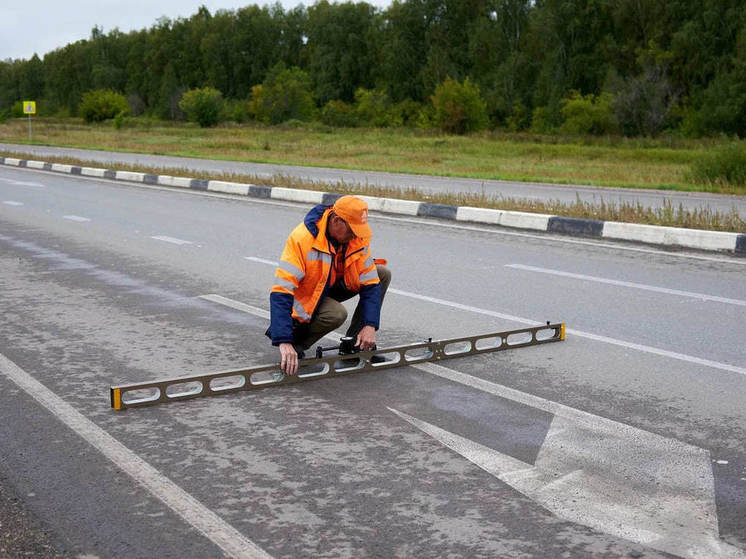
column 44, row 25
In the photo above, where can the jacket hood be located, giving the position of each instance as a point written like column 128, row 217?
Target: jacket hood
column 312, row 218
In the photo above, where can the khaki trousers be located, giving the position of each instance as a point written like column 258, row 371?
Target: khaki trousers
column 330, row 314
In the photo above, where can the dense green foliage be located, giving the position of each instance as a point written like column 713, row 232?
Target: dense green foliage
column 458, row 107
column 203, row 106
column 588, row 114
column 648, row 66
column 284, row 95
column 102, row 104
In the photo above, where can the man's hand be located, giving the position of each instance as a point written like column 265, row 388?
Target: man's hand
column 289, row 359
column 366, row 338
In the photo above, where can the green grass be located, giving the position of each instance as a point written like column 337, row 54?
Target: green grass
column 615, row 162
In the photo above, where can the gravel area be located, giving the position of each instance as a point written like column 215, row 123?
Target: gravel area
column 21, row 534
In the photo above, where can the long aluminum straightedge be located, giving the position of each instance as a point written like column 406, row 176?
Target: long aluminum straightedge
column 263, row 376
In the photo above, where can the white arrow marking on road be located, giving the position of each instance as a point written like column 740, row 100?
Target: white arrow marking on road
column 614, row 478
column 76, row 218
column 625, row 481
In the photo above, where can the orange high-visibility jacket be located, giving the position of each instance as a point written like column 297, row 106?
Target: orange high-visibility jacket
column 304, row 273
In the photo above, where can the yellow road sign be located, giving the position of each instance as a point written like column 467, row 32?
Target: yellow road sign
column 29, row 107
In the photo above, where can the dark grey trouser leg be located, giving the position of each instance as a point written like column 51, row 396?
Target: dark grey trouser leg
column 384, row 276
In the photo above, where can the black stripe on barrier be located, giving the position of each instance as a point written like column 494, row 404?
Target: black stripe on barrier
column 741, row 243
column 260, row 191
column 576, row 225
column 198, row 184
column 330, row 197
column 109, row 174
column 443, row 211
column 2, row 161
column 76, row 170
column 150, row 179
column 22, row 163
column 47, row 166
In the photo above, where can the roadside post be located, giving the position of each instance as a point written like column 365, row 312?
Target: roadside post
column 29, row 108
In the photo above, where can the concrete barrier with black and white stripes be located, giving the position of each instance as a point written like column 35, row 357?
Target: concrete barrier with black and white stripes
column 650, row 234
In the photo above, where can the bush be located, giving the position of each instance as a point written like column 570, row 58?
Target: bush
column 203, row 106
column 589, row 114
column 724, row 103
column 458, row 107
column 643, row 103
column 285, row 94
column 407, row 111
column 102, row 104
column 726, row 165
column 373, row 108
column 119, row 121
column 541, row 121
column 339, row 113
column 518, row 119
column 236, row 110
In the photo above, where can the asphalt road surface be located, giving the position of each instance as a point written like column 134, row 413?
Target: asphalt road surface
column 425, row 183
column 625, row 440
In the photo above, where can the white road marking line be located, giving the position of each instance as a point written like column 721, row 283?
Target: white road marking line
column 615, row 478
column 452, row 375
column 551, row 237
column 694, row 295
column 76, row 218
column 212, row 526
column 225, row 301
column 12, row 203
column 261, row 260
column 172, row 240
column 22, row 183
column 579, row 333
column 588, row 457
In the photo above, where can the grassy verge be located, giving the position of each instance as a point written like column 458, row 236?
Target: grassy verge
column 635, row 163
column 608, row 211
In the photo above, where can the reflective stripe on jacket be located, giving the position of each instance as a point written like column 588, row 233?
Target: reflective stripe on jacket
column 302, row 277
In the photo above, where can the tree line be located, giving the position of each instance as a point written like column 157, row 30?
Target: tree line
column 636, row 67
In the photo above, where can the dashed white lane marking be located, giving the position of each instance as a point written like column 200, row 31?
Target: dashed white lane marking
column 172, row 240
column 76, row 218
column 22, row 183
column 12, row 203
column 700, row 296
column 593, row 470
column 261, row 260
column 209, row 524
column 579, row 333
column 237, row 305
